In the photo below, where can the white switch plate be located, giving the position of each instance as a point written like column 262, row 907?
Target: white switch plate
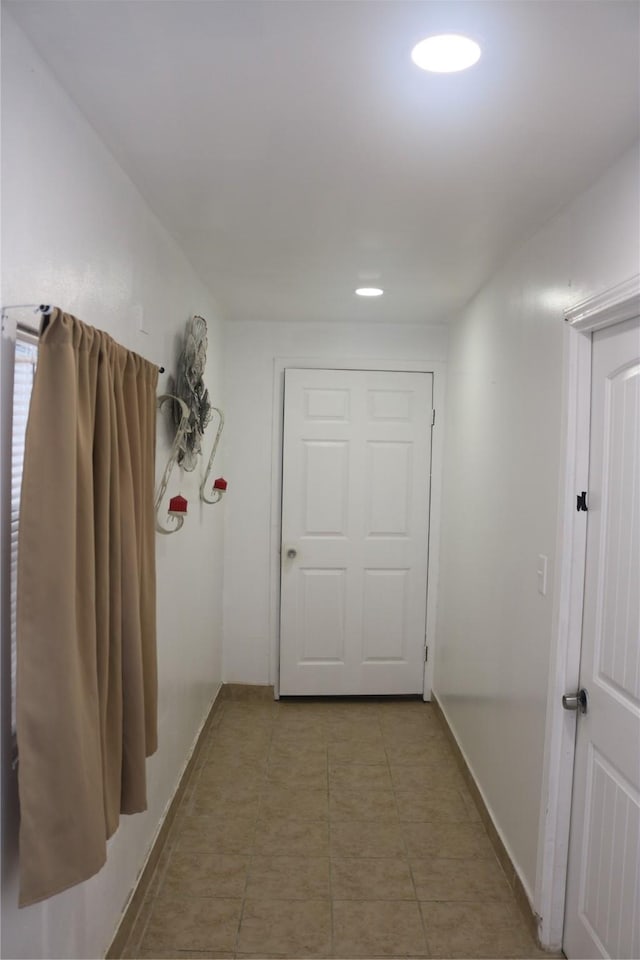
column 542, row 574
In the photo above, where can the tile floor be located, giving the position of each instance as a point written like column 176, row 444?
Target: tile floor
column 328, row 829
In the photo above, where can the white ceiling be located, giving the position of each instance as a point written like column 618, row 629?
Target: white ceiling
column 294, row 150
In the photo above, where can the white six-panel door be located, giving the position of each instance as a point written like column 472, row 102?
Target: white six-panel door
column 603, row 889
column 355, row 527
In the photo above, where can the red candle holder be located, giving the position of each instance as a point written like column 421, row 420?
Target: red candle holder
column 177, row 506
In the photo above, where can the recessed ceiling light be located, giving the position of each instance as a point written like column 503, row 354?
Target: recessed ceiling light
column 446, row 53
column 369, row 292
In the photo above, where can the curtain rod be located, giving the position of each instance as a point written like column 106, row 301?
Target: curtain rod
column 45, row 309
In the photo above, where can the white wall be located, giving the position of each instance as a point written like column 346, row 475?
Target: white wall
column 251, row 349
column 501, row 495
column 77, row 234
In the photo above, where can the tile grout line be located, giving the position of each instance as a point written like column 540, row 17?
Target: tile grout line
column 253, row 839
column 155, row 883
column 407, row 858
column 332, row 942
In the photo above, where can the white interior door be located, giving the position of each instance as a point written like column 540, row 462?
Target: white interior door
column 603, row 887
column 355, row 529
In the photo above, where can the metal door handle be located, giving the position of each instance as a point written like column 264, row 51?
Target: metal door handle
column 577, row 701
column 291, row 553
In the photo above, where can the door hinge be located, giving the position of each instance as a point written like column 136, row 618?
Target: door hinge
column 426, row 654
column 581, row 501
column 433, row 417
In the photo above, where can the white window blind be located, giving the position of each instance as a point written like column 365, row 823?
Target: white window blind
column 25, row 364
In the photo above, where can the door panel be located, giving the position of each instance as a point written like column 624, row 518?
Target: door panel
column 389, row 468
column 326, row 477
column 356, row 475
column 385, row 623
column 612, row 818
column 603, row 888
column 322, row 615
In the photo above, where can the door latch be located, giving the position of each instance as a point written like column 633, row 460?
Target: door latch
column 578, row 701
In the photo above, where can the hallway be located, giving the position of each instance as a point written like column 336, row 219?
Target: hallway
column 328, row 829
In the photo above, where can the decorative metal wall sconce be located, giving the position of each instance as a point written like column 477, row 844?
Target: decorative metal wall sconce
column 189, row 386
column 220, row 485
column 177, row 505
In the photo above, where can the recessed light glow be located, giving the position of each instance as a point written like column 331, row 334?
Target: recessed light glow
column 446, row 53
column 369, row 292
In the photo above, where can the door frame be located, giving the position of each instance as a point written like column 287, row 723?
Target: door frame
column 437, row 369
column 614, row 305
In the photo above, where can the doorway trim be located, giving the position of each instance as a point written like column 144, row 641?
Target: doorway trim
column 280, row 364
column 614, row 305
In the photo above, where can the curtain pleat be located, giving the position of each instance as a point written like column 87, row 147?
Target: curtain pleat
column 87, row 676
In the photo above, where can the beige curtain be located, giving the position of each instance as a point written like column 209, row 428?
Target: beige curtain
column 87, row 682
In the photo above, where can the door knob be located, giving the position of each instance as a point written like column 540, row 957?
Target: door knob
column 291, row 553
column 578, row 701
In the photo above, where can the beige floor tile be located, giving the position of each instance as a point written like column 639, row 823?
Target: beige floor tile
column 300, row 721
column 255, row 695
column 354, row 712
column 234, row 750
column 258, row 712
column 195, row 924
column 245, row 711
column 289, row 751
column 210, row 834
column 223, row 806
column 402, row 752
column 185, row 954
column 354, row 838
column 292, row 838
column 204, row 875
column 449, row 841
column 389, row 707
column 276, row 956
column 475, row 880
column 490, row 930
column 347, row 804
column 426, row 776
column 408, row 722
column 288, row 878
column 312, row 735
column 258, row 733
column 279, row 801
column 377, row 929
column 361, row 879
column 319, row 709
column 244, row 734
column 311, row 761
column 362, row 731
column 312, row 775
column 438, row 804
column 410, row 725
column 360, row 776
column 289, row 928
column 231, row 778
column 356, row 751
column 448, row 771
